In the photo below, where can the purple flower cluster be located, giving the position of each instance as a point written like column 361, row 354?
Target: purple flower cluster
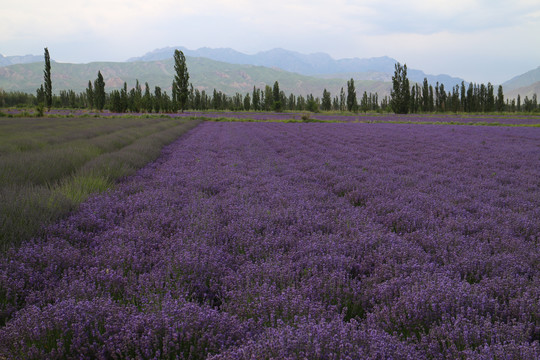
column 294, row 241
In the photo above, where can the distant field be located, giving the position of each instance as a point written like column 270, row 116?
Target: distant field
column 499, row 119
column 49, row 165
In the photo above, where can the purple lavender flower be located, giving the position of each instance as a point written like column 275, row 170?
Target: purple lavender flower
column 293, row 241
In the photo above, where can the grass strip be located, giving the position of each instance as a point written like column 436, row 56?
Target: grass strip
column 314, row 120
column 25, row 207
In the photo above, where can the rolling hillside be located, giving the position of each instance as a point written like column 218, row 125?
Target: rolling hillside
column 205, row 74
column 523, row 81
column 318, row 64
column 528, row 91
column 23, row 59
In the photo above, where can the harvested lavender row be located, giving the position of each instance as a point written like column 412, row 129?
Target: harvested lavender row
column 293, row 241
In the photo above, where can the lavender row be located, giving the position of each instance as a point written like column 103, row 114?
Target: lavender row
column 319, row 241
column 372, row 118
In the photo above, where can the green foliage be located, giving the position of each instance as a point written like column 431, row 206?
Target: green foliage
column 306, row 118
column 147, row 99
column 90, row 95
column 352, row 102
column 326, row 101
column 256, row 99
column 425, row 96
column 312, row 104
column 158, row 99
column 364, row 103
column 39, row 110
column 135, row 98
column 400, row 95
column 500, row 99
column 40, row 95
column 47, row 170
column 47, row 80
column 247, row 102
column 268, row 101
column 99, row 92
column 277, row 104
column 181, row 80
column 490, row 101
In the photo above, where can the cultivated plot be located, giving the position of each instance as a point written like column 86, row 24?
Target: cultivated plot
column 319, row 241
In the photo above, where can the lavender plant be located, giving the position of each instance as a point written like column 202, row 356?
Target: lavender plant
column 293, row 241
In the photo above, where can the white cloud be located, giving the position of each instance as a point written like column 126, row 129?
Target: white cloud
column 438, row 35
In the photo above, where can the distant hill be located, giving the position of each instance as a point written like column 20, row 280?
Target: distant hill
column 205, row 74
column 25, row 59
column 523, row 80
column 318, row 64
column 523, row 91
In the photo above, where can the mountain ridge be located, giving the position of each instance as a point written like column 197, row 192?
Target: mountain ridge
column 19, row 59
column 523, row 80
column 317, row 64
column 376, row 72
column 524, row 91
column 205, row 74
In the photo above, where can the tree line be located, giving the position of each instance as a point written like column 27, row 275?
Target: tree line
column 404, row 97
column 465, row 98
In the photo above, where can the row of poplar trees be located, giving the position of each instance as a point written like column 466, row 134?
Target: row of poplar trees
column 120, row 101
column 413, row 99
column 404, row 98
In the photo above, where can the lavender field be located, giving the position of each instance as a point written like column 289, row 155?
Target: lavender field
column 294, row 241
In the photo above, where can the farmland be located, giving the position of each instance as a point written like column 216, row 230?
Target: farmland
column 48, row 166
column 254, row 240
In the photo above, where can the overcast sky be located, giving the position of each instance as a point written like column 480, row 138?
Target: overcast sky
column 480, row 41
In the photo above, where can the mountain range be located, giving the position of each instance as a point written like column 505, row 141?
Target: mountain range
column 525, row 84
column 25, row 59
column 231, row 71
column 205, row 74
column 318, row 64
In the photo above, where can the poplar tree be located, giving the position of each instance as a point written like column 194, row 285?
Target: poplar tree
column 342, row 100
column 99, row 92
column 442, row 101
column 124, row 97
column 157, row 99
column 247, row 102
column 431, row 98
column 291, row 103
column 335, row 103
column 256, row 99
column 425, row 95
column 400, row 90
column 364, row 103
column 326, row 100
column 40, row 95
column 47, row 80
column 500, row 99
column 147, row 99
column 90, row 95
column 268, row 98
column 277, row 103
column 490, row 101
column 463, row 97
column 181, row 80
column 352, row 102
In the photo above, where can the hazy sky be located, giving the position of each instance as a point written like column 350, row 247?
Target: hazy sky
column 480, row 41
